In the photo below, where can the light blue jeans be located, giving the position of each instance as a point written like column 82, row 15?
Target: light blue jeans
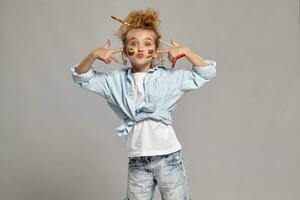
column 166, row 171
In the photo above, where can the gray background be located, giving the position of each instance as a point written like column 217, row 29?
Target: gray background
column 239, row 132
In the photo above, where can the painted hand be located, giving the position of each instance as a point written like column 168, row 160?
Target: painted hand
column 106, row 54
column 175, row 52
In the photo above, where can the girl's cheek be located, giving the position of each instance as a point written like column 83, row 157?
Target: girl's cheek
column 131, row 51
column 150, row 53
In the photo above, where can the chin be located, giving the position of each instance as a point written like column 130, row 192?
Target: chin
column 139, row 64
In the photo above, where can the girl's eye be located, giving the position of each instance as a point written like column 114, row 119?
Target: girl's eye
column 148, row 44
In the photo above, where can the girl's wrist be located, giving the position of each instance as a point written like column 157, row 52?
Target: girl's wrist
column 195, row 59
column 93, row 55
column 187, row 51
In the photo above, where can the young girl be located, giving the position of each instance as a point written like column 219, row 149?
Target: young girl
column 143, row 96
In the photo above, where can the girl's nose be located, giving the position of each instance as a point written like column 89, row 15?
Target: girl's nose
column 140, row 48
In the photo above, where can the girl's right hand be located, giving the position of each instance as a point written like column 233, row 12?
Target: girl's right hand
column 105, row 54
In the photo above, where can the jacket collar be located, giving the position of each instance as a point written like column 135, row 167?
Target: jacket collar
column 151, row 70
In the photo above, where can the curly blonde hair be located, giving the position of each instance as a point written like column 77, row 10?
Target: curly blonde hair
column 141, row 19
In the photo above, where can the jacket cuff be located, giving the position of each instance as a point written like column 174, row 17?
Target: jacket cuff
column 83, row 77
column 208, row 71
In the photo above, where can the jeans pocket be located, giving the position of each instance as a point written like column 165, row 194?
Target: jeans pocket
column 135, row 163
column 173, row 159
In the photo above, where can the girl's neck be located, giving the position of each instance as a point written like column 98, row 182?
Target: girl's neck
column 141, row 69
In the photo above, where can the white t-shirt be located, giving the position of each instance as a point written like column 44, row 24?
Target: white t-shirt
column 149, row 137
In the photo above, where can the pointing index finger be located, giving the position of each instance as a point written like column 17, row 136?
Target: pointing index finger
column 164, row 50
column 117, row 50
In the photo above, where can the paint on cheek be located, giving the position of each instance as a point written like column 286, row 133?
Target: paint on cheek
column 150, row 52
column 131, row 51
column 150, row 56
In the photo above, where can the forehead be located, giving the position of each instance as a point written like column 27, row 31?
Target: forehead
column 140, row 34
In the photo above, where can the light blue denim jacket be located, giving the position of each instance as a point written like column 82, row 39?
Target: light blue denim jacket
column 163, row 88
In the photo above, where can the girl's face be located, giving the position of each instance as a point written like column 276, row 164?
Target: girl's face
column 140, row 48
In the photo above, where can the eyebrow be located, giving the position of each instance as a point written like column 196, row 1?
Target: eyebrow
column 135, row 38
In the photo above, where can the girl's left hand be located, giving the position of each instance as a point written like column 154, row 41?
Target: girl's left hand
column 176, row 52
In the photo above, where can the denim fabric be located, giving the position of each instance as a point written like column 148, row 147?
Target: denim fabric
column 166, row 171
column 163, row 88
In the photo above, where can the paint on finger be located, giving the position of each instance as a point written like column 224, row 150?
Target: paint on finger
column 176, row 58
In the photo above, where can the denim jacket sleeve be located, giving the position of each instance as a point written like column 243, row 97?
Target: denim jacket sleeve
column 91, row 80
column 197, row 76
